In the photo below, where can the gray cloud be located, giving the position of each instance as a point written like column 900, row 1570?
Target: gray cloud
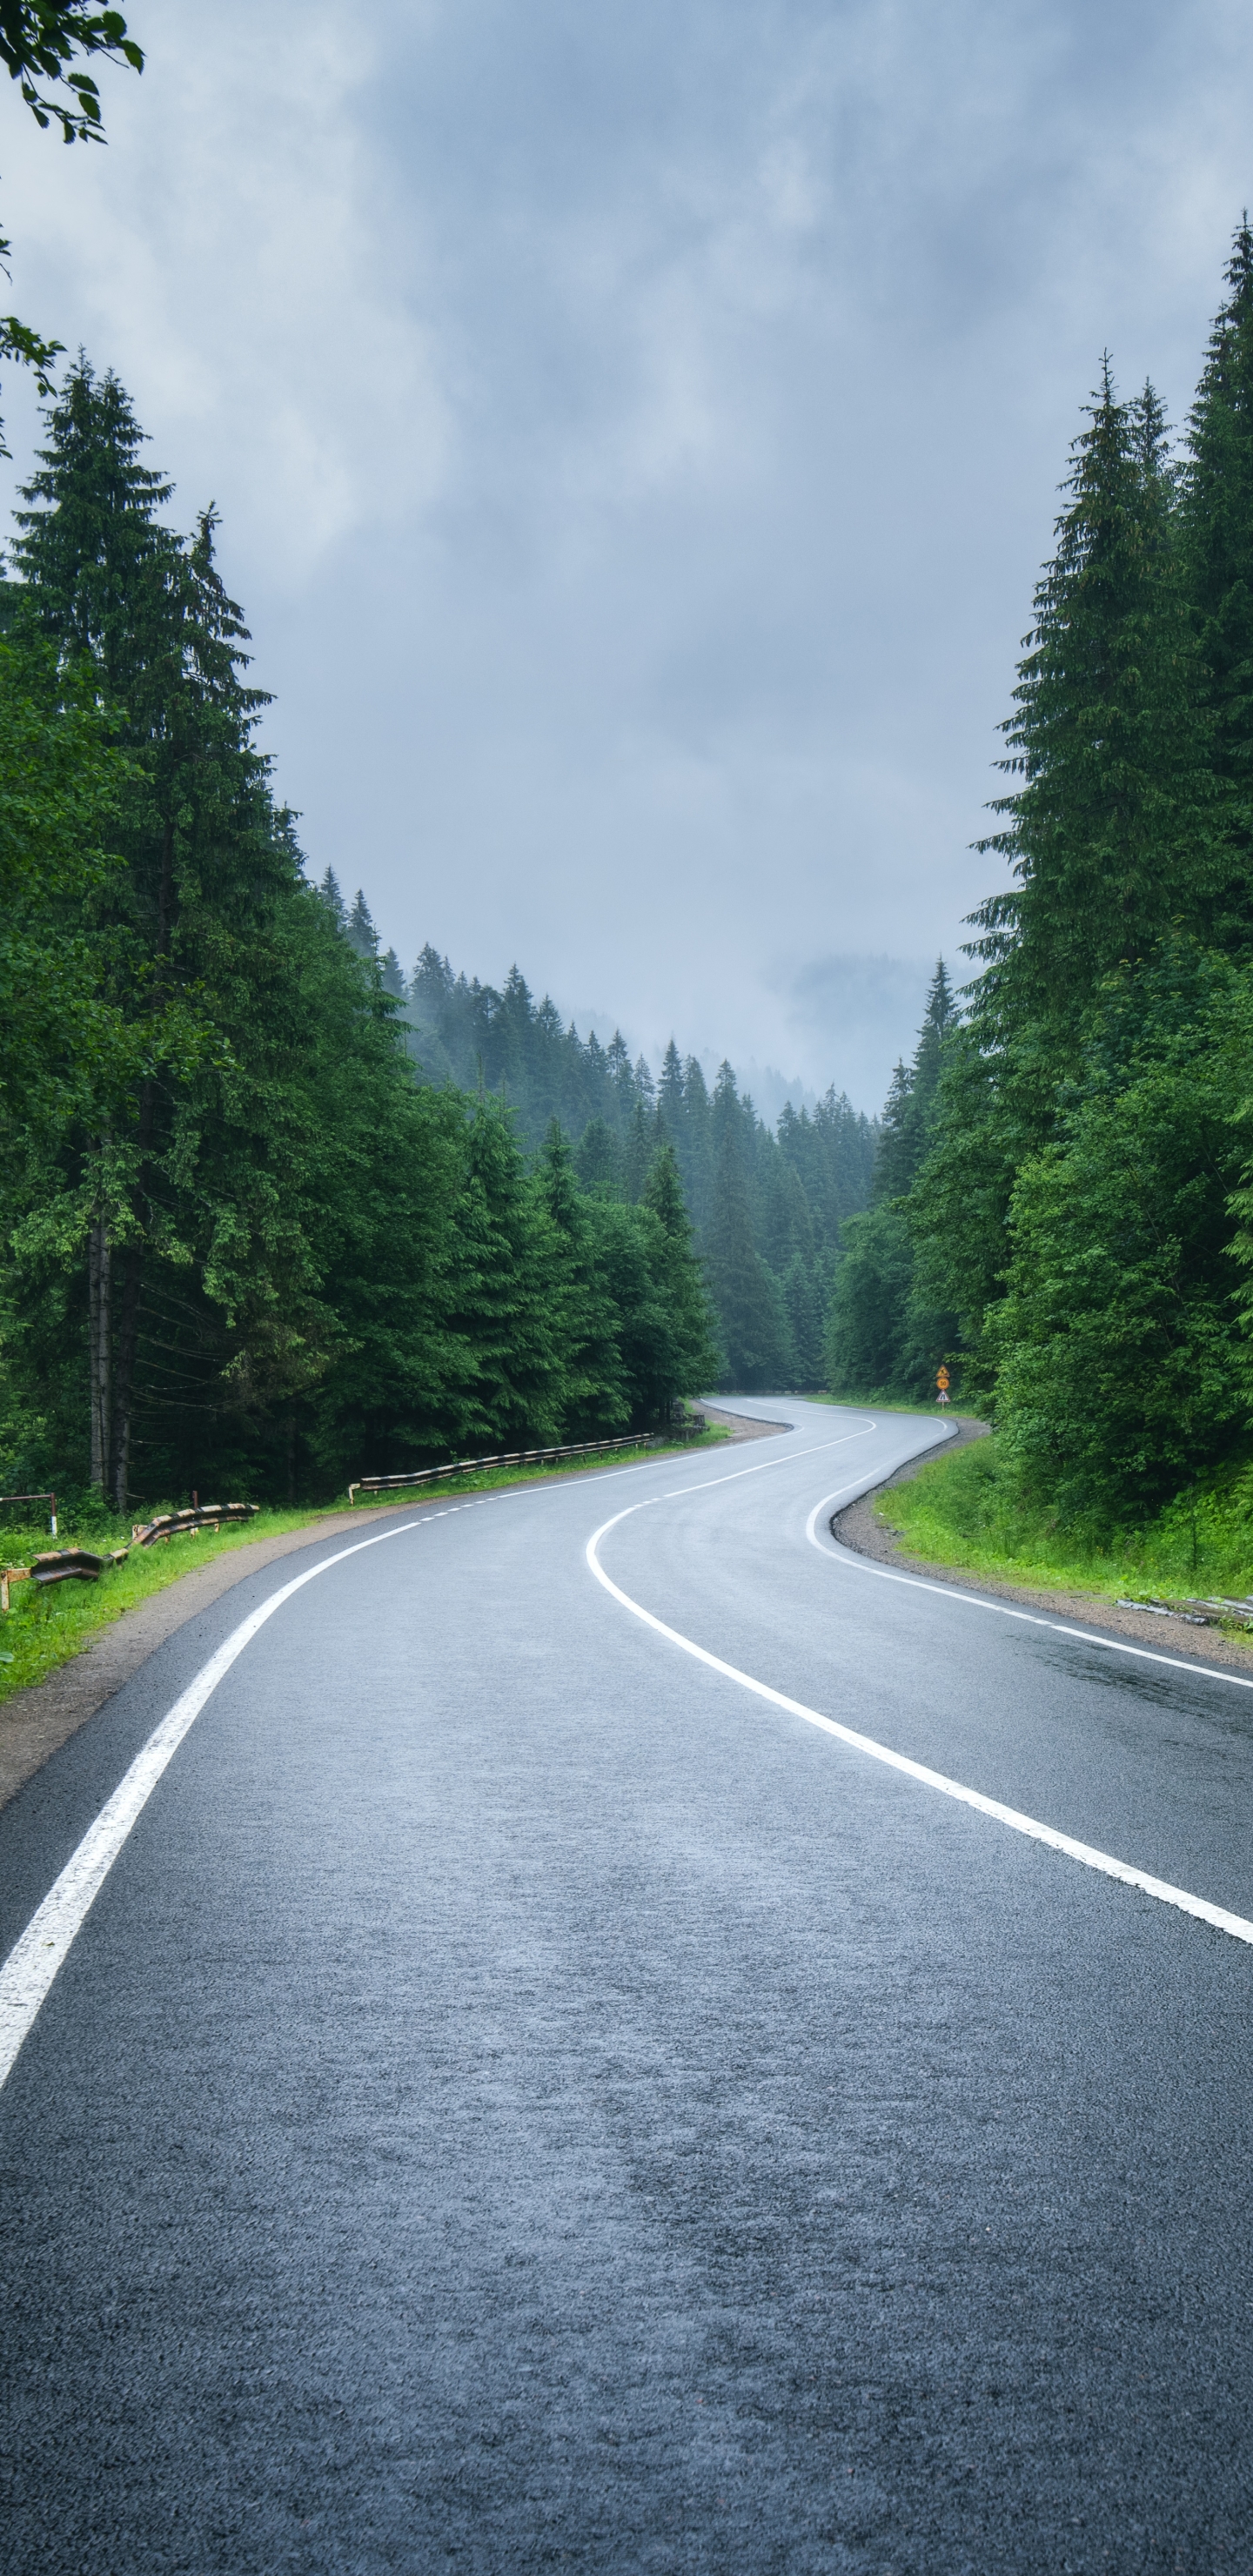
column 637, row 433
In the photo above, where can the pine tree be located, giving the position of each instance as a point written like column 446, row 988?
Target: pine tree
column 670, row 1097
column 507, row 1301
column 97, row 562
column 1113, row 833
column 638, row 1153
column 1218, row 551
column 183, row 1201
column 894, row 1158
column 692, row 1357
column 908, row 1121
column 359, row 928
column 599, row 1161
column 695, row 1144
column 803, row 1300
column 329, row 894
column 595, row 1398
column 744, row 1294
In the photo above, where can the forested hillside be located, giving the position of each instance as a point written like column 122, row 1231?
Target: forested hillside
column 241, row 1244
column 270, row 1212
column 769, row 1206
column 1065, row 1194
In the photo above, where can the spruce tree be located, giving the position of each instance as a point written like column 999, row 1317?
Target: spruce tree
column 894, row 1160
column 359, row 928
column 670, row 1097
column 595, row 1399
column 1113, row 833
column 329, row 894
column 744, row 1294
column 600, row 1162
column 1218, row 550
column 693, row 1359
column 507, row 1306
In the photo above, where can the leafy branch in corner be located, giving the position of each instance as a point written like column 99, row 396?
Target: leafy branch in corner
column 40, row 41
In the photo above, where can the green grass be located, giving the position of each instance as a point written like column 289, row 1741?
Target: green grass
column 964, row 1511
column 46, row 1628
column 897, row 1404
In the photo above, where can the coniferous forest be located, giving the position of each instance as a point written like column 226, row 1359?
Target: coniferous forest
column 274, row 1214
column 278, row 1209
column 1063, row 1198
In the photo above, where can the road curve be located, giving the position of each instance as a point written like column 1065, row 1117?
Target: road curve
column 522, row 2097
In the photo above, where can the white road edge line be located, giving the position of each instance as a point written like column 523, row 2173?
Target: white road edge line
column 837, row 1555
column 1160, row 1888
column 33, row 1961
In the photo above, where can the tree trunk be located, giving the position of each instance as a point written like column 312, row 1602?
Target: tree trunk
column 124, row 1375
column 128, row 1321
column 100, row 1339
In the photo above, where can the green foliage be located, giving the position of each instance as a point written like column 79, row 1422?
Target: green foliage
column 1114, row 832
column 61, row 1040
column 1120, row 1377
column 868, row 1320
column 1217, row 555
column 50, row 41
column 254, row 1233
column 1083, row 1208
column 759, row 1205
column 889, row 1325
column 967, row 1510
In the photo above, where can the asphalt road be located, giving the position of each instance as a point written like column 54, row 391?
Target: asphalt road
column 521, row 2100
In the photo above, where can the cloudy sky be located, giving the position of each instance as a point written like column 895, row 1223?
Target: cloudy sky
column 636, row 432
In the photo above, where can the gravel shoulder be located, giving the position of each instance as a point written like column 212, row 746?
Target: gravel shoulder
column 859, row 1528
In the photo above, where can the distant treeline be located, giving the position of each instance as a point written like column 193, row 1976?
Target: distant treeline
column 768, row 1207
column 1064, row 1201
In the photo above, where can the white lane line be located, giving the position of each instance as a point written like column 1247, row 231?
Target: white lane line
column 32, row 1964
column 33, row 1961
column 836, row 1555
column 1186, row 1903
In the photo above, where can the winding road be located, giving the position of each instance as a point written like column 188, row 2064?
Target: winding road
column 590, row 2027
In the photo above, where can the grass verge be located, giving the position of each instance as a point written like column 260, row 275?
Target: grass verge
column 965, row 1511
column 47, row 1628
column 897, row 1404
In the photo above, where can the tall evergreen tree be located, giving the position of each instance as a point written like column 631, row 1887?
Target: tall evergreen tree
column 359, row 927
column 1113, row 833
column 691, row 1355
column 329, row 891
column 747, row 1301
column 596, row 1402
column 1218, row 554
column 506, row 1310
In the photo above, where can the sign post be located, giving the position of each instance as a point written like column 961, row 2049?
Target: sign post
column 942, row 1383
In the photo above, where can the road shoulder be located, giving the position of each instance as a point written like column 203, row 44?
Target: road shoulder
column 859, row 1529
column 35, row 1723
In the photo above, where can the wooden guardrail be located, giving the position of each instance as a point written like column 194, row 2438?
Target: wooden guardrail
column 80, row 1565
column 511, row 1458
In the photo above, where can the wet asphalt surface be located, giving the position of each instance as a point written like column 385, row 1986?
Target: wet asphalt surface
column 520, row 2102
